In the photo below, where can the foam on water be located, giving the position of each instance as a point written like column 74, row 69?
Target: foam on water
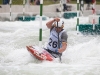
column 82, row 56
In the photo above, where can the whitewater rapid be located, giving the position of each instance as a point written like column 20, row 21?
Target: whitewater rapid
column 82, row 56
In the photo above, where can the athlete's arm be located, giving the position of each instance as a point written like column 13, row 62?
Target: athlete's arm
column 50, row 23
column 64, row 43
column 63, row 48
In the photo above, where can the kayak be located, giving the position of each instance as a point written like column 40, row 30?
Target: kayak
column 44, row 55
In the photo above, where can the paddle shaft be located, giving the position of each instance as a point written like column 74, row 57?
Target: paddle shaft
column 58, row 43
column 58, row 36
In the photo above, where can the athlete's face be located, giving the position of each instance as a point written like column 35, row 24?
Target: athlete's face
column 58, row 29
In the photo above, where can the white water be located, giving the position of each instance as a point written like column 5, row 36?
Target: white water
column 82, row 56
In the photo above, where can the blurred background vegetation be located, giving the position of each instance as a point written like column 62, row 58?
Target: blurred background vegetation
column 45, row 2
column 74, row 1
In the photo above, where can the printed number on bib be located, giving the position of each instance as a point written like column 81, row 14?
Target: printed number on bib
column 53, row 43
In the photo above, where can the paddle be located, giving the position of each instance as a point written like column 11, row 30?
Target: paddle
column 58, row 43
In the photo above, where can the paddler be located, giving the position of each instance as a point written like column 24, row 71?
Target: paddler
column 56, row 45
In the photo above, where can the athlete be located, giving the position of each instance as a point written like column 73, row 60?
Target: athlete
column 56, row 45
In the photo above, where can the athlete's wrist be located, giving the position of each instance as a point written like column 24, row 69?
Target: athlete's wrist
column 60, row 50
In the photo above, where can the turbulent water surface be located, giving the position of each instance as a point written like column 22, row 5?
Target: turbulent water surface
column 82, row 56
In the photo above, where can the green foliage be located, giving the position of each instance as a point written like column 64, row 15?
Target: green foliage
column 45, row 2
column 1, row 1
column 75, row 1
column 48, row 2
column 20, row 2
column 17, row 2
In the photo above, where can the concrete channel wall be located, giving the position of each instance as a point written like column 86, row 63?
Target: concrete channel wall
column 48, row 10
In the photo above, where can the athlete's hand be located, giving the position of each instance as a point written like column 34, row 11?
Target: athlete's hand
column 56, row 19
column 60, row 50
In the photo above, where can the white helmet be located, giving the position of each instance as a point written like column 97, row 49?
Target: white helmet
column 60, row 24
